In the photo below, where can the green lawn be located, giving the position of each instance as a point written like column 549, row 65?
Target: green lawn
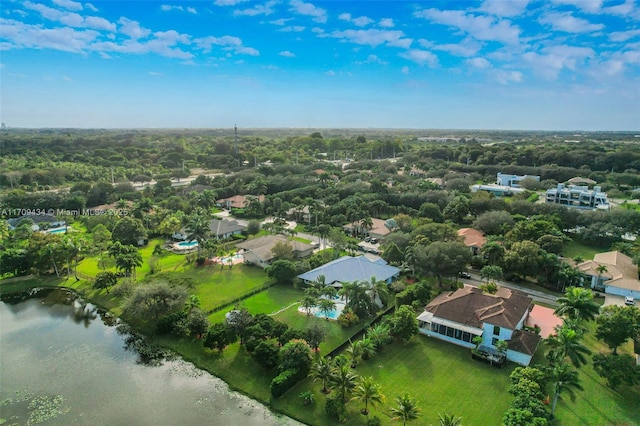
column 574, row 248
column 268, row 301
column 442, row 377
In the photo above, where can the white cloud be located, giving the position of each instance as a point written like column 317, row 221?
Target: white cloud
column 192, row 10
column 467, row 47
column 386, row 23
column 228, row 2
column 227, row 43
column 373, row 59
column 20, row 35
column 132, row 28
column 565, row 21
column 91, row 7
column 480, row 63
column 259, row 9
column 280, row 21
column 168, row 8
column 344, row 17
column 421, row 57
column 506, row 77
column 68, row 4
column 330, row 73
column 374, row 37
column 480, row 27
column 99, row 23
column 623, row 35
column 554, row 59
column 317, row 30
column 504, row 8
column 591, row 6
column 318, row 14
column 627, row 9
column 290, row 29
column 362, row 21
column 287, row 54
column 405, row 70
column 155, row 74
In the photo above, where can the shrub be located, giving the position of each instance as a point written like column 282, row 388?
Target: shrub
column 374, row 421
column 283, row 382
column 348, row 318
column 266, row 353
column 170, row 323
column 334, row 407
column 307, row 397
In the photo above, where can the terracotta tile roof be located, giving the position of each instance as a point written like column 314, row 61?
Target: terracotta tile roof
column 470, row 306
column 238, row 201
column 472, row 237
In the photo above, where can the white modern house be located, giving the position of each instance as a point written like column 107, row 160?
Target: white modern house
column 459, row 316
column 578, row 197
column 513, row 181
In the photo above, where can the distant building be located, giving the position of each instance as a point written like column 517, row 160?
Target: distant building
column 578, row 197
column 237, row 202
column 473, row 239
column 497, row 190
column 258, row 251
column 514, row 180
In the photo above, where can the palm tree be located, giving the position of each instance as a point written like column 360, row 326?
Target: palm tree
column 567, row 343
column 354, row 352
column 379, row 290
column 192, row 303
column 326, row 306
column 405, row 410
column 343, row 380
column 601, row 269
column 128, row 260
column 577, row 303
column 308, row 302
column 379, row 335
column 368, row 348
column 346, row 290
column 368, row 391
column 323, row 370
column 450, row 420
column 366, row 223
column 198, row 229
column 563, row 378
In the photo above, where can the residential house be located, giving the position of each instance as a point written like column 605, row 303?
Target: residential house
column 497, row 190
column 514, row 180
column 461, row 315
column 40, row 221
column 473, row 238
column 237, row 202
column 613, row 272
column 379, row 230
column 578, row 197
column 221, row 228
column 258, row 251
column 350, row 269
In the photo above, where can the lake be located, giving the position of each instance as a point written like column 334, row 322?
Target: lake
column 65, row 362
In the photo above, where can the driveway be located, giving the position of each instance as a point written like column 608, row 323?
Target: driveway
column 612, row 299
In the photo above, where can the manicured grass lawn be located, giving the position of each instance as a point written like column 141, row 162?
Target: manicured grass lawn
column 574, row 248
column 268, row 301
column 217, row 286
column 442, row 377
column 336, row 334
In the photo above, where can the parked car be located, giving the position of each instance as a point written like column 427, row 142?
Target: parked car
column 628, row 300
column 368, row 239
column 465, row 275
column 374, row 241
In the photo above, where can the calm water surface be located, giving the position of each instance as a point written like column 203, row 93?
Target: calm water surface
column 62, row 362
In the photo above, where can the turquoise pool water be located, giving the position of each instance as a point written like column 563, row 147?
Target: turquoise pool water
column 333, row 314
column 188, row 243
column 57, row 230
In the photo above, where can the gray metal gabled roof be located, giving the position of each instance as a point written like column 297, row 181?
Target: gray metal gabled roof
column 349, row 269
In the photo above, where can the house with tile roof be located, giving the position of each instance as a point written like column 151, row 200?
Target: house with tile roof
column 473, row 239
column 461, row 315
column 350, row 269
column 258, row 251
column 613, row 272
column 237, row 202
column 378, row 229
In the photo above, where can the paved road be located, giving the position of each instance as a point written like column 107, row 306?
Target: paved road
column 536, row 295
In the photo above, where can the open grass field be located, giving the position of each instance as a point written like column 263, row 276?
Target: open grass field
column 442, row 377
column 576, row 248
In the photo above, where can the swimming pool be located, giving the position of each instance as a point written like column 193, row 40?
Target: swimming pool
column 188, row 244
column 60, row 230
column 332, row 315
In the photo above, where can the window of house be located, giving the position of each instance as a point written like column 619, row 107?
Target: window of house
column 496, row 330
column 494, row 341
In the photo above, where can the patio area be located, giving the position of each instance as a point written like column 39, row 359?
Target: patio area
column 544, row 318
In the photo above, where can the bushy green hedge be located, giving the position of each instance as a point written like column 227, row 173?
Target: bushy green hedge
column 283, row 382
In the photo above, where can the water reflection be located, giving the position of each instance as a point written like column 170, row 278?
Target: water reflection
column 65, row 362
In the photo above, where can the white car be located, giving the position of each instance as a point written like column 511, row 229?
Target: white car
column 628, row 300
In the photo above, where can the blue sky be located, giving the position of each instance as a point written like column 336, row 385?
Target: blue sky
column 494, row 64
